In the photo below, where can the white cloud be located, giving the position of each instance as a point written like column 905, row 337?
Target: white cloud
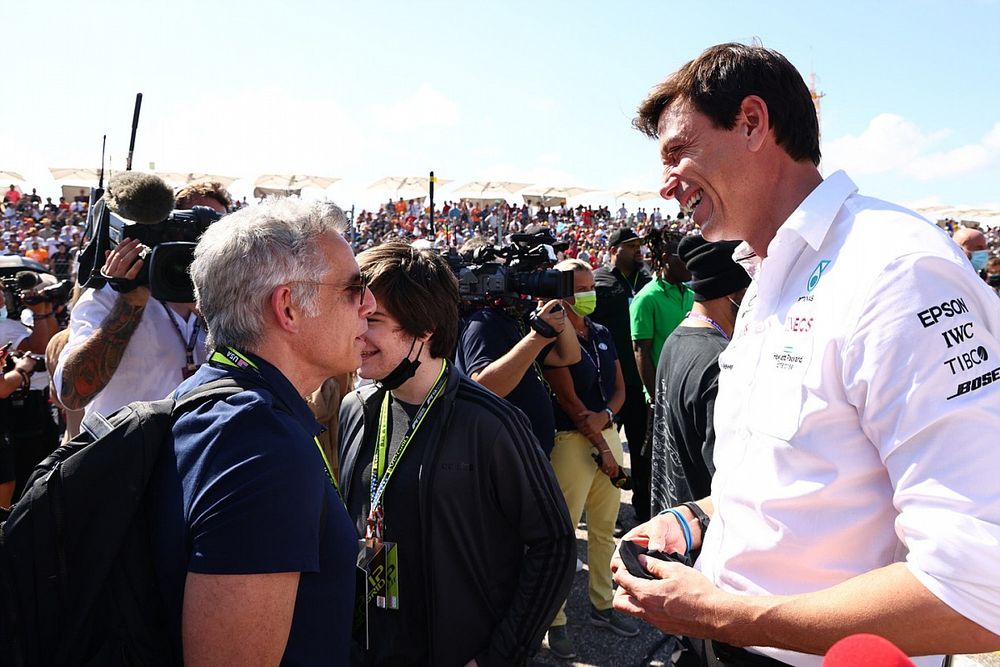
column 992, row 138
column 930, row 201
column 891, row 143
column 538, row 174
column 956, row 162
column 266, row 130
column 426, row 108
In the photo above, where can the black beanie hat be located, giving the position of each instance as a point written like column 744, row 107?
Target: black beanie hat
column 714, row 274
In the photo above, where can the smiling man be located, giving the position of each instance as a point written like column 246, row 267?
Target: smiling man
column 858, row 402
column 449, row 483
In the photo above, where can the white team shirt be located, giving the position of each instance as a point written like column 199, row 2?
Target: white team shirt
column 151, row 367
column 858, row 412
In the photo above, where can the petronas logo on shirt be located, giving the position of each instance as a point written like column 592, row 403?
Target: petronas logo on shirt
column 817, row 274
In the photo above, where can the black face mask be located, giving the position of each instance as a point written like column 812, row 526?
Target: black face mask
column 403, row 371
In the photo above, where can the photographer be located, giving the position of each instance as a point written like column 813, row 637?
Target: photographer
column 27, row 431
column 124, row 346
column 502, row 352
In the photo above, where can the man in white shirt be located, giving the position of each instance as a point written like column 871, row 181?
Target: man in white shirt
column 126, row 347
column 858, row 405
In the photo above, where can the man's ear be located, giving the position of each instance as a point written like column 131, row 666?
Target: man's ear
column 286, row 314
column 754, row 122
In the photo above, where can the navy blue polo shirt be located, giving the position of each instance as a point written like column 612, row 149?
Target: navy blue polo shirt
column 489, row 334
column 593, row 375
column 242, row 491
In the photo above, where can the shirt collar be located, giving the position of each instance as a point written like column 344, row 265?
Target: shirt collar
column 812, row 219
column 283, row 390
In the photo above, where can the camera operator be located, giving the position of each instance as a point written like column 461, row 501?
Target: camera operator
column 27, row 431
column 502, row 352
column 125, row 346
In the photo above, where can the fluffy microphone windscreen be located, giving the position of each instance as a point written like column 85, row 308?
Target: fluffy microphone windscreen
column 865, row 651
column 139, row 197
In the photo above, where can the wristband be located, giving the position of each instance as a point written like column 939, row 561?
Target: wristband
column 699, row 514
column 684, row 527
column 25, row 378
column 611, row 414
column 542, row 328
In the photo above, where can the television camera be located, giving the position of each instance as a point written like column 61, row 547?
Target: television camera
column 511, row 276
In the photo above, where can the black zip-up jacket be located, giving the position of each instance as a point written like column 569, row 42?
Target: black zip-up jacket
column 498, row 547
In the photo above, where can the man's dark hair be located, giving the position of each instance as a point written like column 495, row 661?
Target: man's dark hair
column 418, row 288
column 210, row 189
column 662, row 244
column 718, row 81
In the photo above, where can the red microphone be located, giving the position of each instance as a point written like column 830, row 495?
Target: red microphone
column 865, row 651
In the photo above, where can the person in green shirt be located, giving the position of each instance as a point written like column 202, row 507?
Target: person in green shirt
column 660, row 306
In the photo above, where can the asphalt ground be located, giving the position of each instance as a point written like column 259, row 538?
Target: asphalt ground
column 599, row 646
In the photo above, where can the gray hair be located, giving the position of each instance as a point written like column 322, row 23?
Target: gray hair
column 241, row 259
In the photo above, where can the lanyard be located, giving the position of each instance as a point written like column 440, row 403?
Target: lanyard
column 189, row 344
column 234, row 359
column 382, row 473
column 631, row 285
column 705, row 318
column 523, row 330
column 595, row 359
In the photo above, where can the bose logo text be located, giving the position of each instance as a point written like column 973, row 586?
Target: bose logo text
column 977, row 383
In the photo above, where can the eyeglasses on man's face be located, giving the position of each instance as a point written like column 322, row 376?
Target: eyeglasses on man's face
column 355, row 289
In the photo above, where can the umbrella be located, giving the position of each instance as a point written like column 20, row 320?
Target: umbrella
column 985, row 216
column 637, row 195
column 564, row 192
column 549, row 196
column 294, row 181
column 406, row 183
column 7, row 176
column 78, row 175
column 487, row 189
column 178, row 179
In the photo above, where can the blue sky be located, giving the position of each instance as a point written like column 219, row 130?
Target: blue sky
column 539, row 92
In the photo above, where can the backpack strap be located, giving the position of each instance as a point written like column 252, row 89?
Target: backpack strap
column 97, row 425
column 220, row 389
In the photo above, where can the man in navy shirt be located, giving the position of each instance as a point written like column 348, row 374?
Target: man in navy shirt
column 254, row 549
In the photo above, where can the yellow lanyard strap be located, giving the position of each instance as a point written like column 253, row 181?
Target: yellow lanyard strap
column 234, row 359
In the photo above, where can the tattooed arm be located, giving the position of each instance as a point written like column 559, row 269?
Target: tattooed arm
column 87, row 369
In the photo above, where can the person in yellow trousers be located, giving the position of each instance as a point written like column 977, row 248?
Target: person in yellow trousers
column 588, row 396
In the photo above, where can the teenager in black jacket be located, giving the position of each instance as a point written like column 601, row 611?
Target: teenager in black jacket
column 463, row 495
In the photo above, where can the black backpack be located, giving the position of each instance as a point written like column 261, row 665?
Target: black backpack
column 77, row 583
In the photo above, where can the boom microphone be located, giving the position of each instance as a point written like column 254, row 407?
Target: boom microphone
column 138, row 197
column 863, row 649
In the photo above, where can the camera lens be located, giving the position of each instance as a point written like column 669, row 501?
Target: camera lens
column 548, row 284
column 169, row 272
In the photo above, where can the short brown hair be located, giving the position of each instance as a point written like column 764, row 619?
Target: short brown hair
column 418, row 288
column 211, row 189
column 718, row 81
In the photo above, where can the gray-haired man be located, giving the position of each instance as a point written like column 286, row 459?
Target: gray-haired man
column 254, row 550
